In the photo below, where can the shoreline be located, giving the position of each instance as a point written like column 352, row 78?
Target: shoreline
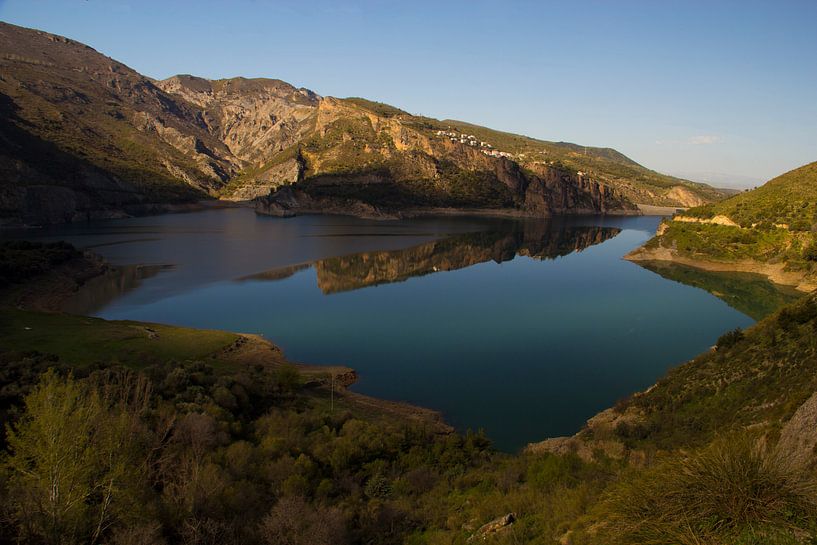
column 773, row 271
column 409, row 213
column 256, row 350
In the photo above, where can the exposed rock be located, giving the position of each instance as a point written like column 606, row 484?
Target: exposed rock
column 717, row 220
column 798, row 439
column 684, row 197
column 497, row 525
column 267, row 182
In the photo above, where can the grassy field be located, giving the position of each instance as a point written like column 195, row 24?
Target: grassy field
column 83, row 341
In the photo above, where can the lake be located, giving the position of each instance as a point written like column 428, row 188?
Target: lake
column 522, row 328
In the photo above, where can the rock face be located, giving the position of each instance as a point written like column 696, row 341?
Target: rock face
column 798, row 439
column 489, row 529
column 84, row 136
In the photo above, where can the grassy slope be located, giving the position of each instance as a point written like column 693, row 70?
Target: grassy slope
column 789, row 199
column 775, row 225
column 84, row 341
column 759, row 381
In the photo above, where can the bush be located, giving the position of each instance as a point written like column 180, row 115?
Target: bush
column 730, row 339
column 810, row 252
column 733, row 491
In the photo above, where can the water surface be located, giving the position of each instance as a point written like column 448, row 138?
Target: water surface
column 521, row 328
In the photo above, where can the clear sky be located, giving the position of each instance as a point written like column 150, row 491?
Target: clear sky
column 724, row 91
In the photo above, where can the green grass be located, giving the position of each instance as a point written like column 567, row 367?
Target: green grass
column 777, row 224
column 82, row 341
column 789, row 199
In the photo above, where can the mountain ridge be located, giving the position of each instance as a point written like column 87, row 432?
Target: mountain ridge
column 88, row 137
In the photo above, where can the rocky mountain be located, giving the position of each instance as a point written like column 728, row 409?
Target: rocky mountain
column 84, row 136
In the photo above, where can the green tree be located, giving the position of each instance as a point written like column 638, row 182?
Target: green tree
column 76, row 465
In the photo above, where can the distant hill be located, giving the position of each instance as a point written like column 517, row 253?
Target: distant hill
column 84, row 136
column 771, row 229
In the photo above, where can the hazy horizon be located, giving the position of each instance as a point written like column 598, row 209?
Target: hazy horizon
column 720, row 94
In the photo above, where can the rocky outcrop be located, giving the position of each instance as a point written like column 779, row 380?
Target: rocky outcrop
column 798, row 439
column 489, row 529
column 254, row 118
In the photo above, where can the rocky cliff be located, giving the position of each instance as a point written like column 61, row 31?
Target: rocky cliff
column 84, row 136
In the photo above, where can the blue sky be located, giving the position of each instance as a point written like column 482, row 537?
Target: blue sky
column 718, row 90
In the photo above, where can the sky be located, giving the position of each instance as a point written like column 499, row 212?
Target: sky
column 718, row 91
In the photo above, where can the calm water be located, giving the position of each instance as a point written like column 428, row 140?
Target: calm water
column 524, row 329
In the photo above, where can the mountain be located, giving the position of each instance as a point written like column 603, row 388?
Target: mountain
column 84, row 137
column 769, row 230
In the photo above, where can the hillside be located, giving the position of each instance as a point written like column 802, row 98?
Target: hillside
column 87, row 137
column 770, row 230
column 637, row 183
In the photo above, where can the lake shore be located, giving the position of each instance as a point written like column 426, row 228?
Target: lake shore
column 49, row 292
column 775, row 272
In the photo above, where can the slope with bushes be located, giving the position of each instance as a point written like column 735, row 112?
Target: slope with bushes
column 770, row 230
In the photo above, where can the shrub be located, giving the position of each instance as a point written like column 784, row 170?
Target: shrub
column 730, row 339
column 733, row 491
column 810, row 252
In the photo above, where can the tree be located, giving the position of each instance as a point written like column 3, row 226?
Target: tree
column 76, row 463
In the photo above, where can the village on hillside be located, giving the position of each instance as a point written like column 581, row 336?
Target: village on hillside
column 473, row 141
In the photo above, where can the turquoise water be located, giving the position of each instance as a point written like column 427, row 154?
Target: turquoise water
column 523, row 329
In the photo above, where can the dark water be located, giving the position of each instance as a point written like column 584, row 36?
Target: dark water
column 522, row 328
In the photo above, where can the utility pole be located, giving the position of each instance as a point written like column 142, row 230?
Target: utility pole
column 332, row 394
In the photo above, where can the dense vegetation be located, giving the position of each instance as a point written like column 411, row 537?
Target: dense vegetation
column 21, row 260
column 753, row 379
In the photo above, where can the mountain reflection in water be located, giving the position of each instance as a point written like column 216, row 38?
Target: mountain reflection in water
column 537, row 240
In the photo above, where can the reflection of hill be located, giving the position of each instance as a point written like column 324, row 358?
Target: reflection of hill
column 751, row 294
column 101, row 290
column 539, row 240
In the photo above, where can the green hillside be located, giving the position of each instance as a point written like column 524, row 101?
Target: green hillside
column 790, row 200
column 774, row 225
